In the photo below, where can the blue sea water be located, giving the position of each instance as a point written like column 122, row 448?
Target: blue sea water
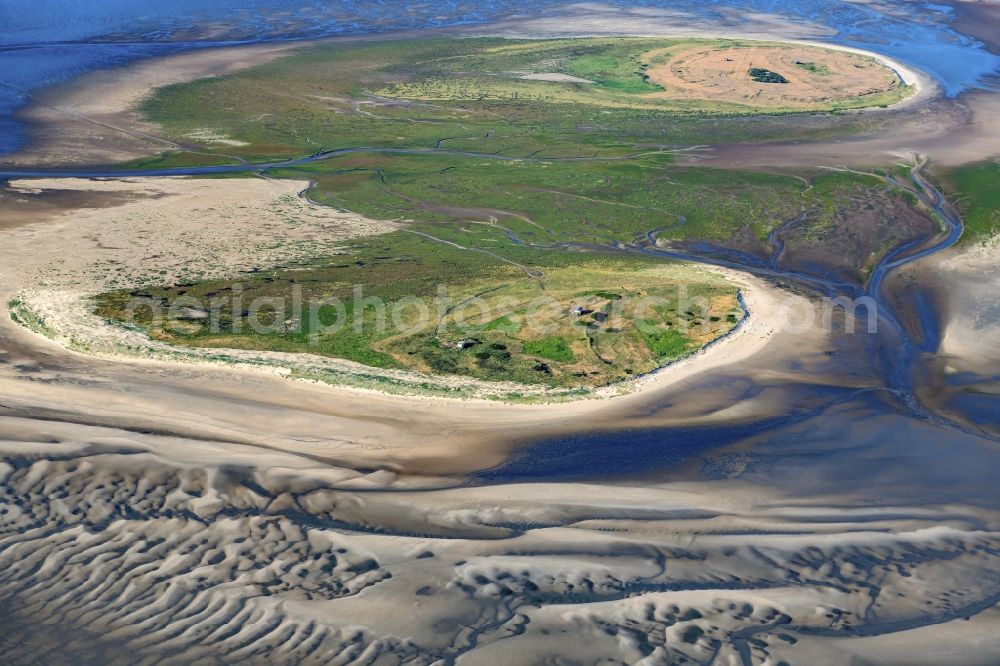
column 45, row 42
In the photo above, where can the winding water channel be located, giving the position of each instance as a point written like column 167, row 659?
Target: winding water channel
column 890, row 352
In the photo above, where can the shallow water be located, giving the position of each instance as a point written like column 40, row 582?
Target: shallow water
column 46, row 42
column 628, row 453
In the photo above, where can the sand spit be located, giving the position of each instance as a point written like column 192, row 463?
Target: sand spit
column 93, row 119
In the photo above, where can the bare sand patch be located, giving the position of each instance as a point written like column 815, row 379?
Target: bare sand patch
column 971, row 338
column 212, row 136
column 169, row 229
column 554, row 77
column 816, row 77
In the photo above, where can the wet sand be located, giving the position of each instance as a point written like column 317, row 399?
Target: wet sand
column 217, row 548
column 978, row 18
column 952, row 132
column 19, row 208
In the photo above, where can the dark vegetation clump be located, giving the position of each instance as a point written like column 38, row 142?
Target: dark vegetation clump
column 761, row 75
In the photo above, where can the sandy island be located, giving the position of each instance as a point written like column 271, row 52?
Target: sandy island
column 170, row 230
column 132, row 234
column 157, row 229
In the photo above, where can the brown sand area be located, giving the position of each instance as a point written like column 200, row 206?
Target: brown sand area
column 816, row 77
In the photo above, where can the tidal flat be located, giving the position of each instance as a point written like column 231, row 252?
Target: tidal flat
column 801, row 490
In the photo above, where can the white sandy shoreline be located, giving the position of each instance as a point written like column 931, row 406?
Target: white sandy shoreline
column 924, row 86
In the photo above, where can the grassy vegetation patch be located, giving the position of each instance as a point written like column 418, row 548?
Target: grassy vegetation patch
column 576, row 326
column 814, row 68
column 976, row 189
column 667, row 343
column 618, row 68
column 553, row 348
column 506, row 205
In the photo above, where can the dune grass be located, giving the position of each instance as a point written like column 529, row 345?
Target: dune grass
column 410, row 303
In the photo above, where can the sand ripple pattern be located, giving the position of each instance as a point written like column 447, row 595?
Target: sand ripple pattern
column 110, row 554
